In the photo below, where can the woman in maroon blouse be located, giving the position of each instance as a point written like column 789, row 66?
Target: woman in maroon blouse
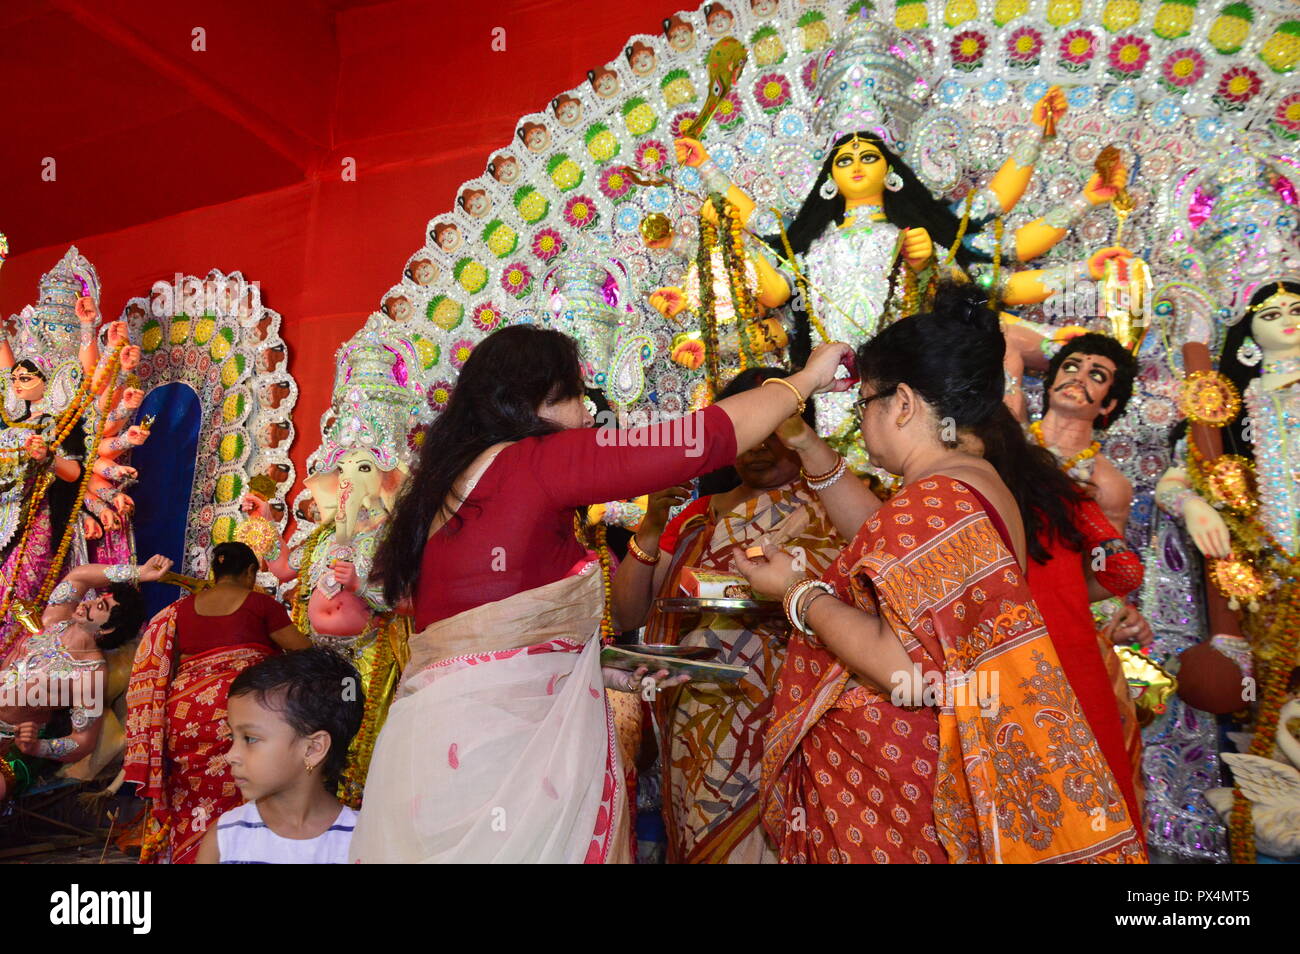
column 176, row 731
column 499, row 745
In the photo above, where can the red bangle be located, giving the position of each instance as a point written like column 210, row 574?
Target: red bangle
column 636, row 553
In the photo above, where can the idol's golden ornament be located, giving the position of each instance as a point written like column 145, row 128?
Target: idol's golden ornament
column 655, row 227
column 1238, row 580
column 1150, row 685
column 1230, row 479
column 1208, row 397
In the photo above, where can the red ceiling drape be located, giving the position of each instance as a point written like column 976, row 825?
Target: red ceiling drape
column 173, row 160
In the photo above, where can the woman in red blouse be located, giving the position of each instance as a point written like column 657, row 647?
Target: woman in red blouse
column 499, row 745
column 176, row 731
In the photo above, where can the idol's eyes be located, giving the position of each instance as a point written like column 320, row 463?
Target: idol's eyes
column 845, row 159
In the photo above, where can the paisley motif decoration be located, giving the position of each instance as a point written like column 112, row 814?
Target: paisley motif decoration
column 625, row 382
column 935, row 151
column 1231, row 479
column 1208, row 397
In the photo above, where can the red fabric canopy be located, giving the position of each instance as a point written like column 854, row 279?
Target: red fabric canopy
column 171, row 159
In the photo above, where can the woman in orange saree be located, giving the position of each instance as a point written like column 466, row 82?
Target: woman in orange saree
column 712, row 735
column 922, row 714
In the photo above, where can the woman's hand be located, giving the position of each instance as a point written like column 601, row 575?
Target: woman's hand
column 153, row 569
column 660, row 503
column 819, row 372
column 690, row 152
column 795, row 433
column 1129, row 626
column 1097, row 260
column 771, row 574
column 1206, row 527
column 918, row 249
column 623, row 681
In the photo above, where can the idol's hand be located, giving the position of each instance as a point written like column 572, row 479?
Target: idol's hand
column 154, row 568
column 136, row 435
column 91, row 528
column 1097, row 260
column 822, row 364
column 668, row 301
column 690, row 152
column 27, row 738
column 130, row 357
column 345, row 575
column 124, row 505
column 769, row 575
column 918, row 249
column 117, row 334
column 1054, row 100
column 132, row 397
column 87, row 310
column 1099, row 191
column 1206, row 527
column 37, row 449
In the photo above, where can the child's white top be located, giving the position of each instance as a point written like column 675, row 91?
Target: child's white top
column 244, row 839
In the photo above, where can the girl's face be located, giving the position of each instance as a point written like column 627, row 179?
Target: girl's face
column 643, row 62
column 506, row 170
column 423, row 272
column 477, row 205
column 681, row 38
column 1275, row 325
column 719, row 22
column 859, row 170
column 28, row 385
column 606, row 84
column 399, row 309
column 763, row 8
column 266, row 755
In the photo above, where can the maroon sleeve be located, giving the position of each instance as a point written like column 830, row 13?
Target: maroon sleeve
column 589, row 465
column 274, row 616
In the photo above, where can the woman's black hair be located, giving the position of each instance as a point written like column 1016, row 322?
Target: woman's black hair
column 912, row 206
column 1241, row 374
column 509, row 375
column 124, row 619
column 1104, row 346
column 952, row 357
column 311, row 689
column 233, row 559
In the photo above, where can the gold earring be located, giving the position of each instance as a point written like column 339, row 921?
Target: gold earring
column 307, row 762
column 900, row 422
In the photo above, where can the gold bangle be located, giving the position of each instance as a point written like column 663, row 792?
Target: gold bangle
column 818, row 478
column 793, row 390
column 640, row 555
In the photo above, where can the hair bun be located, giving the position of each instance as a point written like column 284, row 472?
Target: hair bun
column 967, row 302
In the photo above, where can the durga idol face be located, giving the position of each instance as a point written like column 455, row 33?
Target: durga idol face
column 859, row 170
column 1275, row 325
column 28, row 385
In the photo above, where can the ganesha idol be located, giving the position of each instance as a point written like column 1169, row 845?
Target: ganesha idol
column 356, row 476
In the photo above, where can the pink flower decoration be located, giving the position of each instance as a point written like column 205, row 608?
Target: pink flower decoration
column 1237, row 86
column 1025, row 46
column 681, row 120
column 547, row 244
column 580, row 212
column 808, row 75
column 1287, row 115
column 1128, row 54
column 1182, row 68
column 652, row 155
column 460, row 353
column 486, row 318
column 771, row 92
column 1077, row 48
column 729, row 112
column 453, row 759
column 614, row 183
column 967, row 49
column 517, row 280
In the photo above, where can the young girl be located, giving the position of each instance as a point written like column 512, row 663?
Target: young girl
column 292, row 717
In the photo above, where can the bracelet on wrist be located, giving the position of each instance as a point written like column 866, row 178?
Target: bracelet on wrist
column 803, row 403
column 640, row 555
column 806, row 600
column 811, row 478
column 822, row 483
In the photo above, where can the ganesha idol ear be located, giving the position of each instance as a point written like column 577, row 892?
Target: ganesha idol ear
column 391, row 485
column 324, row 489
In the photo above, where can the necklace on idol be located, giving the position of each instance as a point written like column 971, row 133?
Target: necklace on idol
column 1286, row 365
column 1069, row 463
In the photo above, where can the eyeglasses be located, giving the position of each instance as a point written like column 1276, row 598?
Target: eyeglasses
column 860, row 405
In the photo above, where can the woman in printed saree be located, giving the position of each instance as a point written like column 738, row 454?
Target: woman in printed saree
column 922, row 714
column 713, row 735
column 176, row 735
column 499, row 746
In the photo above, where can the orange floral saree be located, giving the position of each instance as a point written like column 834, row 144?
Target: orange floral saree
column 1002, row 768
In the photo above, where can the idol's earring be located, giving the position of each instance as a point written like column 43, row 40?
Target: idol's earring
column 1249, row 353
column 829, row 189
column 893, row 181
